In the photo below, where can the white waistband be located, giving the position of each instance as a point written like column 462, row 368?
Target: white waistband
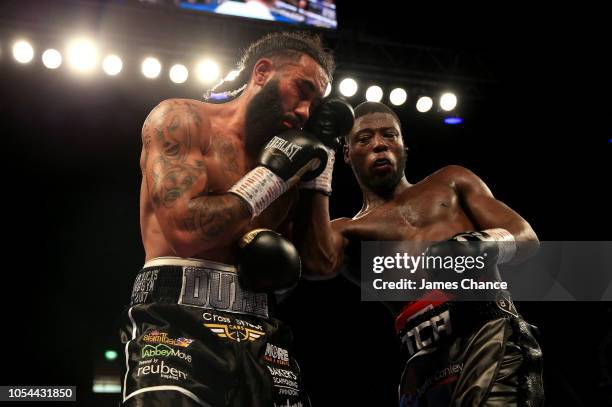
column 180, row 261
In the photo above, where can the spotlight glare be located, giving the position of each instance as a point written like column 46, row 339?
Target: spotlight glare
column 23, row 52
column 110, row 355
column 151, row 67
column 52, row 59
column 233, row 74
column 208, row 71
column 179, row 73
column 453, row 120
column 448, row 101
column 328, row 90
column 374, row 94
column 112, row 65
column 348, row 87
column 82, row 55
column 398, row 96
column 424, row 104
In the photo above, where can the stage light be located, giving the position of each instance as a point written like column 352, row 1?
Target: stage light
column 374, row 94
column 398, row 96
column 151, row 67
column 82, row 55
column 348, row 87
column 110, row 355
column 208, row 71
column 328, row 90
column 106, row 388
column 23, row 52
column 453, row 120
column 112, row 65
column 52, row 58
column 179, row 73
column 424, row 104
column 448, row 101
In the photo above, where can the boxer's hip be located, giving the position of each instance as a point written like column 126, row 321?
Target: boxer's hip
column 192, row 330
column 471, row 354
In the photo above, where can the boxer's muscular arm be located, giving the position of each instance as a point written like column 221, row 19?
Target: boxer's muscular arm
column 486, row 212
column 321, row 247
column 176, row 180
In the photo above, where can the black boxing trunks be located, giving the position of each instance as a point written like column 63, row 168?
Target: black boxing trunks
column 468, row 354
column 193, row 337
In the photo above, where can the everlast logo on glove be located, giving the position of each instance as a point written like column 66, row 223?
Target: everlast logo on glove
column 286, row 147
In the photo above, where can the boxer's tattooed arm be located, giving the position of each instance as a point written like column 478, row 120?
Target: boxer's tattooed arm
column 173, row 173
column 173, row 180
column 177, row 180
column 211, row 216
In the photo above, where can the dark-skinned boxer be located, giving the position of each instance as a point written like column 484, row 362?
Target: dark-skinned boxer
column 490, row 356
column 219, row 178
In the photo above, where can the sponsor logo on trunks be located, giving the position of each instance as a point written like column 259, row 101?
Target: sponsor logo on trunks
column 276, row 354
column 286, row 147
column 446, row 375
column 233, row 328
column 236, row 333
column 156, row 336
column 427, row 332
column 162, row 370
column 219, row 290
column 285, row 391
column 288, row 404
column 143, row 285
column 163, row 351
column 504, row 302
column 285, row 380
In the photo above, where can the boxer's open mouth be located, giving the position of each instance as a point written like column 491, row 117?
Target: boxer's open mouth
column 381, row 162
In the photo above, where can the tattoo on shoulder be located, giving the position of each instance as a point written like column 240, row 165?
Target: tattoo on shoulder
column 176, row 125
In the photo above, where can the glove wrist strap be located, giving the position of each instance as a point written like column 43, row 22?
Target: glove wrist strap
column 505, row 242
column 323, row 183
column 259, row 188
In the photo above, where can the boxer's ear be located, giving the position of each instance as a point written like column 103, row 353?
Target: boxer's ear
column 262, row 70
column 345, row 152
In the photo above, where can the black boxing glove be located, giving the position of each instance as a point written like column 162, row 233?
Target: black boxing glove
column 330, row 121
column 492, row 246
column 267, row 262
column 287, row 158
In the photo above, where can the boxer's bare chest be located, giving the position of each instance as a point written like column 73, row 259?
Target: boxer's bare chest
column 428, row 210
column 226, row 162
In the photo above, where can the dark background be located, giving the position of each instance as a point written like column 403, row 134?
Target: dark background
column 535, row 130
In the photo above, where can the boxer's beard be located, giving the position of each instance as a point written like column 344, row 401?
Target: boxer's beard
column 264, row 117
column 383, row 185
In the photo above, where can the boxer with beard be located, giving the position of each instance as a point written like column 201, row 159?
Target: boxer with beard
column 480, row 353
column 219, row 182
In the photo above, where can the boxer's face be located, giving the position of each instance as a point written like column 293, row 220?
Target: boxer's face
column 375, row 151
column 290, row 90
